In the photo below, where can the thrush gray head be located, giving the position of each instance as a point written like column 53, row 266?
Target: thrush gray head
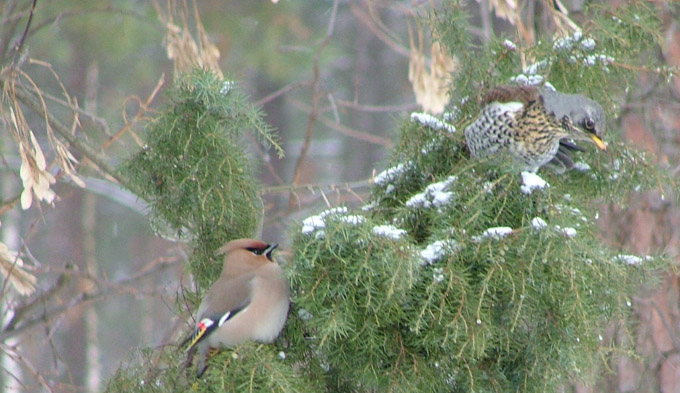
column 583, row 113
column 530, row 124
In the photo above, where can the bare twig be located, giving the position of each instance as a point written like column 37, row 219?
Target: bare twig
column 272, row 96
column 316, row 97
column 20, row 44
column 125, row 286
column 368, row 22
column 143, row 108
column 377, row 108
column 359, row 135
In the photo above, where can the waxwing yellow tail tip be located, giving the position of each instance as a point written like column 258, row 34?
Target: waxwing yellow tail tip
column 598, row 142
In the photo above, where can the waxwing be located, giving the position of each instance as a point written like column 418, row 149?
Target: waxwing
column 249, row 301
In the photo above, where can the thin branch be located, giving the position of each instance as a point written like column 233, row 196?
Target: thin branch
column 128, row 285
column 368, row 22
column 360, row 135
column 272, row 96
column 143, row 108
column 378, row 108
column 319, row 186
column 316, row 97
column 100, row 122
column 20, row 44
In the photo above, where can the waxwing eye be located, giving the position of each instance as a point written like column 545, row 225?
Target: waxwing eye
column 590, row 124
column 256, row 251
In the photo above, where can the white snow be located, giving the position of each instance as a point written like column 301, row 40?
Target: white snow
column 529, row 80
column 438, row 275
column 538, row 223
column 566, row 231
column 434, row 195
column 495, row 233
column 509, row 45
column 531, row 181
column 226, row 87
column 369, row 206
column 532, row 69
column 335, row 210
column 628, row 259
column 430, row 121
column 312, row 223
column 304, row 314
column 434, row 251
column 591, row 60
column 389, row 231
column 588, row 44
column 390, row 174
column 352, row 219
column 566, row 43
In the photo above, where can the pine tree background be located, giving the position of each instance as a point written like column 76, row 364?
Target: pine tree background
column 435, row 272
column 452, row 277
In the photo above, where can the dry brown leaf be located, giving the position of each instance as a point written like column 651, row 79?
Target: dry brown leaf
column 430, row 88
column 12, row 267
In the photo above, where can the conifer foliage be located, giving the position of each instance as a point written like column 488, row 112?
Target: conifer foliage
column 194, row 170
column 457, row 276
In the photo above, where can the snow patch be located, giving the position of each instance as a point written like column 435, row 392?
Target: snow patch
column 436, row 250
column 430, row 121
column 531, row 181
column 389, row 231
column 509, row 45
column 390, row 174
column 353, row 219
column 527, row 80
column 434, row 195
column 566, row 231
column 538, row 223
column 310, row 224
column 495, row 233
column 588, row 44
column 629, row 259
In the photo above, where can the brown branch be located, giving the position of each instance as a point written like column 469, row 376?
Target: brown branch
column 128, row 285
column 272, row 96
column 9, row 21
column 368, row 22
column 350, row 132
column 143, row 108
column 316, row 97
column 378, row 108
column 20, row 44
column 100, row 122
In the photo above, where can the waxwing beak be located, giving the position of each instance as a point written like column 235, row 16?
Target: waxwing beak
column 268, row 251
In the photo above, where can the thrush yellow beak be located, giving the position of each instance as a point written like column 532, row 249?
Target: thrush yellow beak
column 598, row 142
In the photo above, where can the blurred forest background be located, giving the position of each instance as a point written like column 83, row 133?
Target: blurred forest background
column 334, row 78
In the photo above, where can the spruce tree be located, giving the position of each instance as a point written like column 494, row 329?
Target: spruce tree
column 455, row 276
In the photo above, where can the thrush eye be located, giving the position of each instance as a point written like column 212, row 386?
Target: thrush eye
column 590, row 124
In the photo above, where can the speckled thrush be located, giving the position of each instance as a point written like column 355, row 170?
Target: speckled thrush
column 534, row 125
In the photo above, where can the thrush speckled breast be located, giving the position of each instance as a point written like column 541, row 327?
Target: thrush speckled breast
column 534, row 126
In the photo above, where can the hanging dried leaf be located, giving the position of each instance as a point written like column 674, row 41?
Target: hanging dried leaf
column 505, row 9
column 430, row 88
column 12, row 268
